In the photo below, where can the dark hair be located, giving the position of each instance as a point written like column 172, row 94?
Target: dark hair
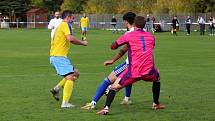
column 66, row 13
column 139, row 22
column 129, row 17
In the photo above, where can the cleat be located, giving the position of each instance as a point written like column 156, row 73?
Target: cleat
column 67, row 105
column 126, row 102
column 89, row 106
column 83, row 38
column 157, row 106
column 103, row 112
column 55, row 94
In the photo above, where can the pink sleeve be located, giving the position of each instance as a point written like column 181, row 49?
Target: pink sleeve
column 122, row 40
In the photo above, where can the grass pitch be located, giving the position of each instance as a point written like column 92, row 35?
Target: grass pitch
column 186, row 63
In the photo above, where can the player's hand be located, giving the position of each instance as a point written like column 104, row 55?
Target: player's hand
column 85, row 42
column 108, row 62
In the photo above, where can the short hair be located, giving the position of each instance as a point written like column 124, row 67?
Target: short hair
column 66, row 13
column 129, row 17
column 139, row 22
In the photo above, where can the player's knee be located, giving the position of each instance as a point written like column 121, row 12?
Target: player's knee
column 112, row 77
column 68, row 77
column 74, row 76
column 76, row 73
column 116, row 87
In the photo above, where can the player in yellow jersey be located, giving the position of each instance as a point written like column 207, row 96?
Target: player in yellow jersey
column 60, row 45
column 84, row 24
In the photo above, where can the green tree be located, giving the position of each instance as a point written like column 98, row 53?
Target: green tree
column 14, row 9
column 204, row 6
column 51, row 5
column 95, row 6
column 75, row 5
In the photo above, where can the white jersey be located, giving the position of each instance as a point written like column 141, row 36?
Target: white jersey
column 201, row 20
column 53, row 24
column 131, row 30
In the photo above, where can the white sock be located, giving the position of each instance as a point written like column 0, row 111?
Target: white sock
column 63, row 102
column 106, row 107
column 93, row 102
column 56, row 88
column 126, row 98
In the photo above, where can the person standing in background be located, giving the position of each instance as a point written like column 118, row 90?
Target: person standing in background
column 84, row 24
column 148, row 24
column 201, row 23
column 53, row 24
column 113, row 23
column 174, row 25
column 188, row 24
column 211, row 26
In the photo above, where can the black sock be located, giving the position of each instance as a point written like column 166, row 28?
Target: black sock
column 110, row 97
column 156, row 92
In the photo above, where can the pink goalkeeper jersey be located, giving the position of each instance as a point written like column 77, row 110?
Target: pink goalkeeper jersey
column 140, row 53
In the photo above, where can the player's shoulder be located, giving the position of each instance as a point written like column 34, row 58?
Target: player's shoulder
column 60, row 19
column 63, row 24
column 52, row 20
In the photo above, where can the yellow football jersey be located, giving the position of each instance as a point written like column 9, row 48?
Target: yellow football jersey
column 84, row 22
column 59, row 44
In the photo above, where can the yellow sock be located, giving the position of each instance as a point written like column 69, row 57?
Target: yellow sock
column 67, row 91
column 61, row 83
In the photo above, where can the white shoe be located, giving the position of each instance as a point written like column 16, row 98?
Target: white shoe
column 126, row 102
column 67, row 105
column 89, row 106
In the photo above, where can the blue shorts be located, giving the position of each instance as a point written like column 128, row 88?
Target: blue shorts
column 84, row 29
column 62, row 65
column 120, row 68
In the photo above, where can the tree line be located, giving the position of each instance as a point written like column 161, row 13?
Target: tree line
column 18, row 7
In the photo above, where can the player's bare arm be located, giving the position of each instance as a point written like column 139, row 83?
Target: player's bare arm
column 75, row 41
column 121, row 52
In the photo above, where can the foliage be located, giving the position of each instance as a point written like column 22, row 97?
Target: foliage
column 74, row 5
column 187, row 75
column 9, row 7
column 51, row 5
column 111, row 6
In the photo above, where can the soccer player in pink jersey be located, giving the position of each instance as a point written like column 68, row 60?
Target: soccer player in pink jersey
column 141, row 64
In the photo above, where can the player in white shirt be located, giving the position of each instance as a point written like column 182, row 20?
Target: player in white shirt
column 53, row 24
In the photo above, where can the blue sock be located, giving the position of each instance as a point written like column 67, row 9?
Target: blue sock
column 101, row 89
column 128, row 90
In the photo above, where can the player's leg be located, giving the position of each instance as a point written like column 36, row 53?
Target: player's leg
column 64, row 68
column 118, row 70
column 110, row 97
column 82, row 33
column 68, row 88
column 55, row 91
column 127, row 99
column 174, row 30
column 155, row 78
column 203, row 29
column 213, row 30
column 85, row 33
column 122, row 81
column 104, row 85
column 101, row 90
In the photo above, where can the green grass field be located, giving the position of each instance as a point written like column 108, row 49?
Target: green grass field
column 186, row 63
